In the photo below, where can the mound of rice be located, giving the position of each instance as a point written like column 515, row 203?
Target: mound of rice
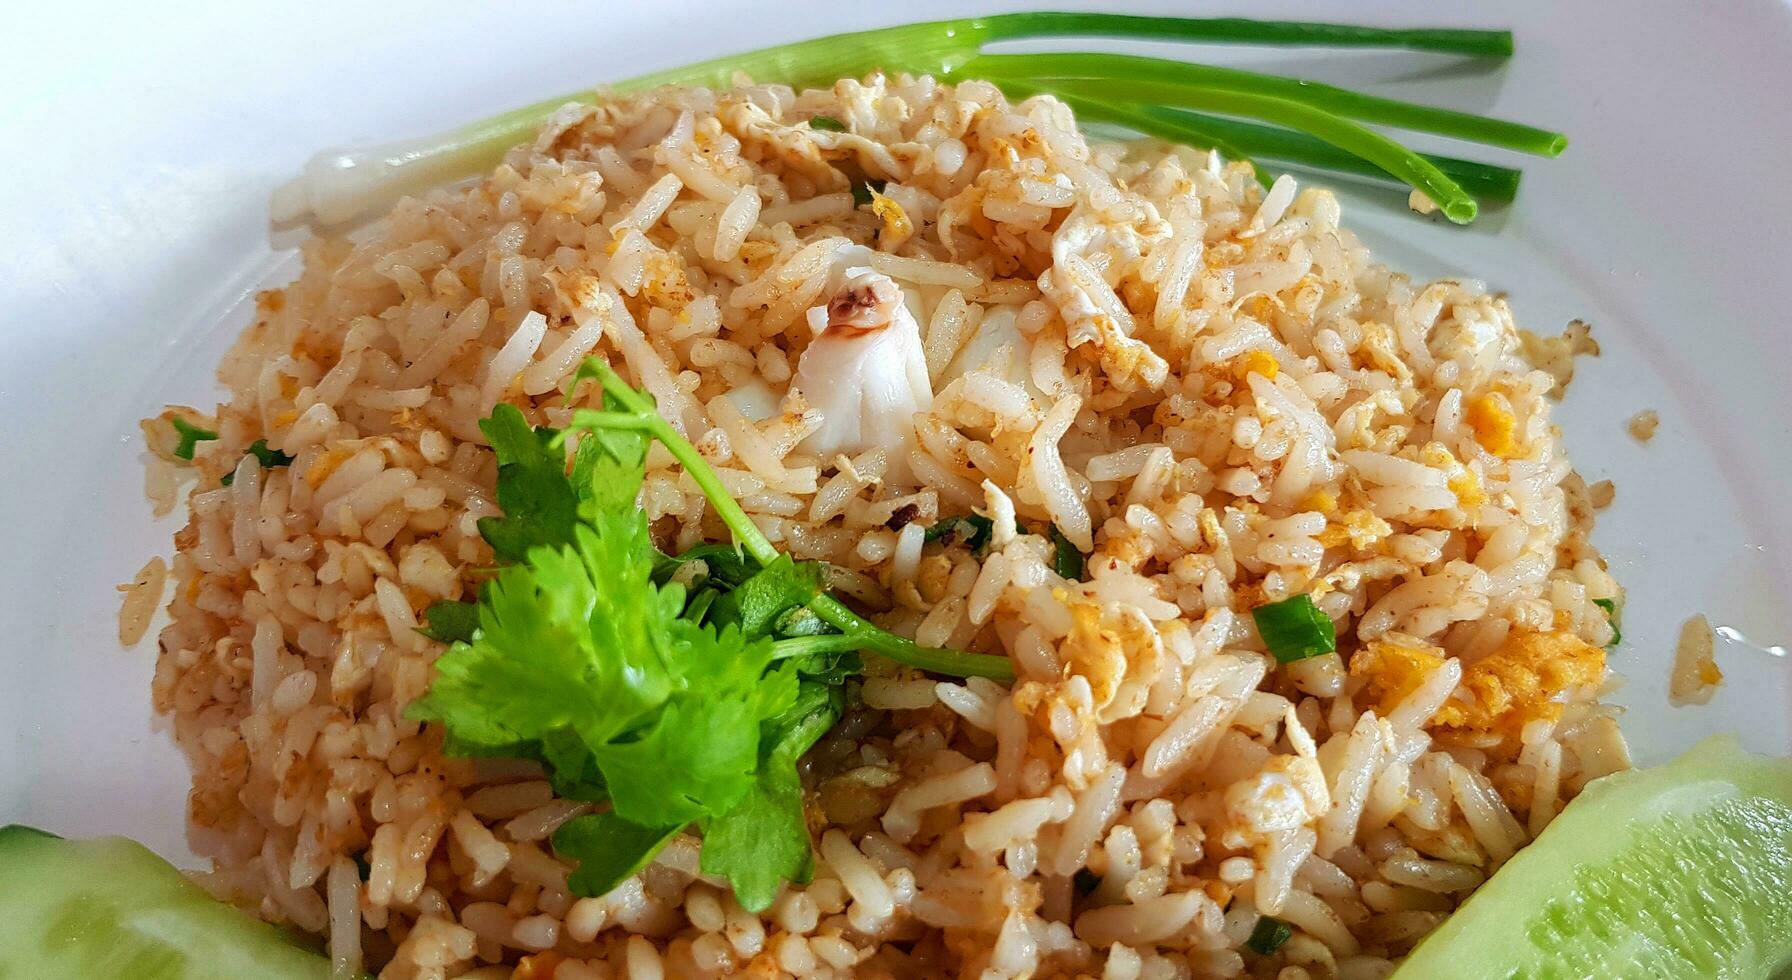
column 1207, row 386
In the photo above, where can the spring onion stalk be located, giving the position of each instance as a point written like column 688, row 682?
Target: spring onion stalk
column 1268, row 935
column 639, row 414
column 1356, row 140
column 1247, row 142
column 1120, row 72
column 1486, row 181
column 342, row 186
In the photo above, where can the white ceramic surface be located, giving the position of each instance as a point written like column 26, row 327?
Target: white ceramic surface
column 140, row 141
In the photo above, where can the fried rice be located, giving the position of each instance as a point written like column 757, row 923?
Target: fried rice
column 1208, row 387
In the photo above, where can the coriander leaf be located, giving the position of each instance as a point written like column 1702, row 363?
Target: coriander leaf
column 609, row 849
column 608, row 467
column 540, row 506
column 707, row 734
column 190, row 437
column 450, row 621
column 769, row 593
column 574, row 637
column 764, row 840
column 1066, row 560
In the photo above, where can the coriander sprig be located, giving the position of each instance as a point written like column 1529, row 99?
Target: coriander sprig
column 636, row 413
column 669, row 700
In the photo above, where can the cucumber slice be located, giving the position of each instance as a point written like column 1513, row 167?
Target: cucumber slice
column 111, row 908
column 1680, row 871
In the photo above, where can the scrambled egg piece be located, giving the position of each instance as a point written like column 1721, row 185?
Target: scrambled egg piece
column 1391, row 671
column 540, row 966
column 1106, row 651
column 1467, row 488
column 325, row 465
column 1521, row 682
column 1358, row 527
column 1258, row 362
column 1517, row 684
column 897, row 226
column 1462, row 481
column 1323, row 501
column 1495, row 426
column 1381, row 351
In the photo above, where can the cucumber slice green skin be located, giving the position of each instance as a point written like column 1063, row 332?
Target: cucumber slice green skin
column 111, row 908
column 1680, row 871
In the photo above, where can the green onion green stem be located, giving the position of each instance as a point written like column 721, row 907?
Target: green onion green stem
column 1162, row 80
column 1347, row 136
column 1486, row 181
column 1295, row 629
column 641, row 415
column 1242, row 30
column 1248, row 142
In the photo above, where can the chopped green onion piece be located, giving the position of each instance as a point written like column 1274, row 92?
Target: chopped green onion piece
column 269, row 458
column 190, row 436
column 1612, row 616
column 1268, row 935
column 1066, row 560
column 972, row 529
column 1295, row 629
column 827, row 124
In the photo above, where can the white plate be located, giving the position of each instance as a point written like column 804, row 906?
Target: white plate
column 140, row 142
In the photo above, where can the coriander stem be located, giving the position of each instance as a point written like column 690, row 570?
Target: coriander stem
column 868, row 635
column 803, row 646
